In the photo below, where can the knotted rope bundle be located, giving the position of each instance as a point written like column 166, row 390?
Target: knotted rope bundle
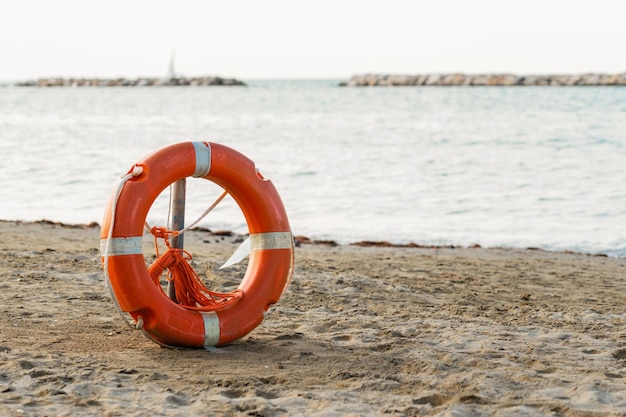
column 189, row 288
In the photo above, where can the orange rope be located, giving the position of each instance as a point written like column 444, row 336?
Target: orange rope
column 191, row 293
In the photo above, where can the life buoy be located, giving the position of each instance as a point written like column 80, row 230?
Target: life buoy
column 271, row 259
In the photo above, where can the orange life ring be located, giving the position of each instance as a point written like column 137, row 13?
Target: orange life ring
column 271, row 259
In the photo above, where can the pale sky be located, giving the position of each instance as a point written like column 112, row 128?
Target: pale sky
column 250, row 39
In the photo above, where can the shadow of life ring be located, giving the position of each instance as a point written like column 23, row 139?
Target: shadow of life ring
column 271, row 261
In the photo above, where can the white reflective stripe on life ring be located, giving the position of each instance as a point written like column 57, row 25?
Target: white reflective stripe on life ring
column 203, row 159
column 211, row 328
column 121, row 246
column 271, row 240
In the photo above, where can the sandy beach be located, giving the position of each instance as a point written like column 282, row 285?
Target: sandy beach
column 362, row 331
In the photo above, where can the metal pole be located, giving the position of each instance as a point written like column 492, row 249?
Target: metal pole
column 177, row 222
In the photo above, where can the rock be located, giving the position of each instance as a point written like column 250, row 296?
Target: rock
column 127, row 82
column 457, row 79
column 453, row 79
column 433, row 79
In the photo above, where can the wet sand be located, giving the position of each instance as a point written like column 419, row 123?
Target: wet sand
column 362, row 331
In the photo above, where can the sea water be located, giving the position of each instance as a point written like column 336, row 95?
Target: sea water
column 496, row 166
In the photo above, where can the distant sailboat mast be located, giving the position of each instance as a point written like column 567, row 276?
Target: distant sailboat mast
column 170, row 73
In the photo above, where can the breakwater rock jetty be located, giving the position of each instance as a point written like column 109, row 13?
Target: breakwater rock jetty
column 369, row 80
column 127, row 82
